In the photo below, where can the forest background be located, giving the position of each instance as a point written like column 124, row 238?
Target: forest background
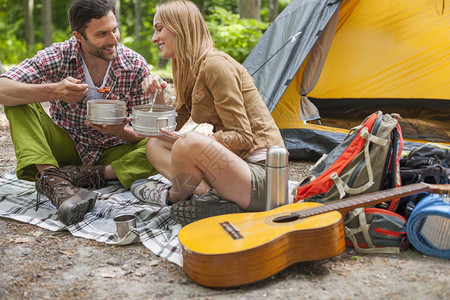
column 30, row 25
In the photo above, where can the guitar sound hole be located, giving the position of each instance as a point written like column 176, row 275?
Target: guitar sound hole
column 286, row 219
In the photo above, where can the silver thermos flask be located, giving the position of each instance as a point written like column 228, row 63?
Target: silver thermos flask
column 277, row 180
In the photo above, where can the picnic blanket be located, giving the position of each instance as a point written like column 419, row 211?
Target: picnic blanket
column 155, row 229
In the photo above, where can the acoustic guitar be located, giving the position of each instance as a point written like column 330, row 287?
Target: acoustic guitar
column 237, row 249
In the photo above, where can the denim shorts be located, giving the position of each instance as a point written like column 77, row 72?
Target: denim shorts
column 258, row 200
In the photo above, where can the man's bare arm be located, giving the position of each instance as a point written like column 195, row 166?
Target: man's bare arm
column 14, row 93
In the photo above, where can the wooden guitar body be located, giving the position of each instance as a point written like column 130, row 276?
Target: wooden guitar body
column 237, row 249
column 254, row 247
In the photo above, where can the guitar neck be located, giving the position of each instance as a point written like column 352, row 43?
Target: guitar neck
column 345, row 205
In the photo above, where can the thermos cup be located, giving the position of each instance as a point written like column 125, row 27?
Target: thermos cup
column 277, row 180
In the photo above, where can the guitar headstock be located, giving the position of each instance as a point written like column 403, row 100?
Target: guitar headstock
column 441, row 189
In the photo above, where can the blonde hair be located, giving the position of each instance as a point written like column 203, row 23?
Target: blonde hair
column 192, row 41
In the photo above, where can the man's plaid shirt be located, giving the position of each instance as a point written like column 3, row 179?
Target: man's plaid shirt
column 62, row 60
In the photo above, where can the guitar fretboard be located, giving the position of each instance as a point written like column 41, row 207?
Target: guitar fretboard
column 364, row 200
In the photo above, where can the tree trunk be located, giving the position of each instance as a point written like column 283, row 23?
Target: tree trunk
column 2, row 70
column 250, row 9
column 201, row 6
column 137, row 21
column 118, row 12
column 162, row 63
column 29, row 24
column 273, row 9
column 47, row 22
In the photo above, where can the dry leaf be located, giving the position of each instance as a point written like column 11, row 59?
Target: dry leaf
column 108, row 275
column 154, row 263
column 22, row 240
column 67, row 252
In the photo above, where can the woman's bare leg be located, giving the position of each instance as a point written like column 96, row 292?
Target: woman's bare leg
column 159, row 153
column 199, row 157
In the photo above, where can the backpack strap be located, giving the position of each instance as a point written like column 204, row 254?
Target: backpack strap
column 397, row 143
column 341, row 186
column 363, row 228
column 347, row 151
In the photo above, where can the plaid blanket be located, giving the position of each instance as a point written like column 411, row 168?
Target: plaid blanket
column 155, row 229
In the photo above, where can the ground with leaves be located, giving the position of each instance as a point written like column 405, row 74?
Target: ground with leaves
column 40, row 264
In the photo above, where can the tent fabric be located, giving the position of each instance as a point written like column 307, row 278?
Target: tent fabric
column 313, row 66
column 280, row 52
column 392, row 56
column 395, row 49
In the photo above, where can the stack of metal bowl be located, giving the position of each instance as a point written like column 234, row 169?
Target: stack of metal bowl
column 149, row 122
column 106, row 112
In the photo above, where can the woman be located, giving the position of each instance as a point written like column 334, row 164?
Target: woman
column 211, row 87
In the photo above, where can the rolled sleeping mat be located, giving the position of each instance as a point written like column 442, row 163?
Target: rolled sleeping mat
column 428, row 227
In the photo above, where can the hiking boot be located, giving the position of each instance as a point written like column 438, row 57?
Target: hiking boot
column 72, row 202
column 151, row 190
column 199, row 207
column 86, row 176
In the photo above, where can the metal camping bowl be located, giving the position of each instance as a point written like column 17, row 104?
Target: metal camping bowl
column 149, row 123
column 106, row 112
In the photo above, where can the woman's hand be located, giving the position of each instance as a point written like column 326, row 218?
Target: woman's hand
column 169, row 136
column 154, row 83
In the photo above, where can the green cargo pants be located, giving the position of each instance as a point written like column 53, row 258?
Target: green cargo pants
column 37, row 140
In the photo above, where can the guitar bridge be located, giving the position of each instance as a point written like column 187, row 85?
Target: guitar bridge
column 231, row 230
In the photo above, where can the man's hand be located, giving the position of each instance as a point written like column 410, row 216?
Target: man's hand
column 123, row 131
column 14, row 93
column 71, row 90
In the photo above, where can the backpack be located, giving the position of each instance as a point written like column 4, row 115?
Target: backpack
column 359, row 164
column 375, row 230
column 429, row 163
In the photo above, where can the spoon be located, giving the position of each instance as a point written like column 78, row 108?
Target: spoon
column 153, row 100
column 103, row 90
column 154, row 95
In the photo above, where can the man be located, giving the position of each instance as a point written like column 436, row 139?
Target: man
column 65, row 153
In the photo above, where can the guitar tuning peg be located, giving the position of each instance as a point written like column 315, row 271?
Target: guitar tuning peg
column 446, row 197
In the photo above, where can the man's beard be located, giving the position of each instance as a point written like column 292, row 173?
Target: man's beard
column 97, row 52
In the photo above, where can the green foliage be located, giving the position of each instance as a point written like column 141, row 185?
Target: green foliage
column 11, row 29
column 12, row 57
column 283, row 3
column 233, row 35
column 228, row 5
column 144, row 46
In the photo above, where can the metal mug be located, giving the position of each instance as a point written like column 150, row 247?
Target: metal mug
column 124, row 224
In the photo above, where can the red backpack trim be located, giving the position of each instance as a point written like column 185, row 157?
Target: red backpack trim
column 323, row 183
